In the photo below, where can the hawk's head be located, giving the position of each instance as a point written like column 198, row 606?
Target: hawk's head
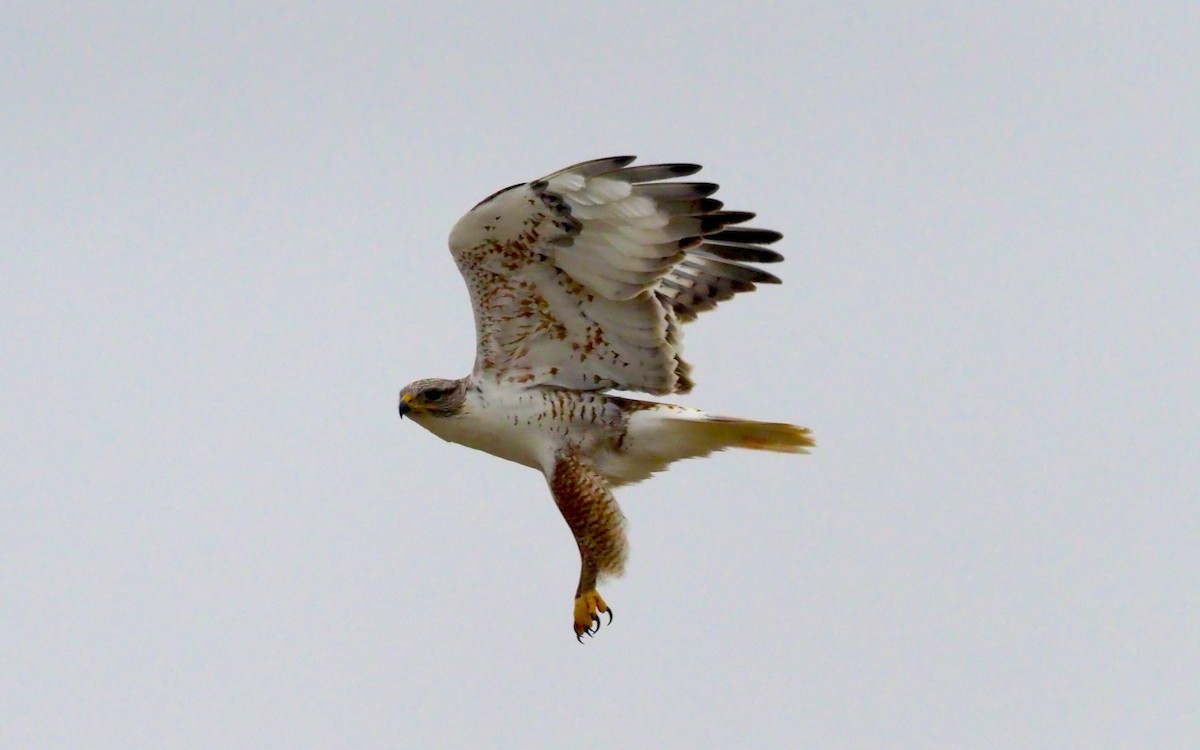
column 435, row 397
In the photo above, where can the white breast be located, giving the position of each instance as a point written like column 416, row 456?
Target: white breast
column 513, row 425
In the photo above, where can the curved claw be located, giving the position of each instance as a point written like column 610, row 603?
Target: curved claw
column 588, row 608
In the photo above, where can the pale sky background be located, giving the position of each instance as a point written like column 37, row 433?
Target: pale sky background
column 222, row 253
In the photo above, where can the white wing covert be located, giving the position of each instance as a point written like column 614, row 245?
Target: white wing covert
column 582, row 278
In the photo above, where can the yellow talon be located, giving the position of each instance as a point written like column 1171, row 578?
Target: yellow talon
column 588, row 607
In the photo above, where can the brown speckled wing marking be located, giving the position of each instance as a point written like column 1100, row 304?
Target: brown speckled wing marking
column 581, row 279
column 591, row 511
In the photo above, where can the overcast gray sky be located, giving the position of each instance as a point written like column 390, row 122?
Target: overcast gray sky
column 222, row 252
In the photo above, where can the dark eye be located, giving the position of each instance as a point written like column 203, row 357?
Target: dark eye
column 433, row 394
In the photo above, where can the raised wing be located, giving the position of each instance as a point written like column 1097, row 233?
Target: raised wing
column 582, row 278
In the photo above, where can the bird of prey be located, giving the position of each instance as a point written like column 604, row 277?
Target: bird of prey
column 580, row 282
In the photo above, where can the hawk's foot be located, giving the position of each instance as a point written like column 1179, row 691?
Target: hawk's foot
column 588, row 608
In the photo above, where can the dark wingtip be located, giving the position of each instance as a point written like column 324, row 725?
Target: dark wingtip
column 682, row 169
column 718, row 219
column 748, row 236
column 619, row 161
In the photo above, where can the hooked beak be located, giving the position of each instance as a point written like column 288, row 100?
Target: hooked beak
column 404, row 409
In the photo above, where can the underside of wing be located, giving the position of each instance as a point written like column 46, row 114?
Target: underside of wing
column 582, row 278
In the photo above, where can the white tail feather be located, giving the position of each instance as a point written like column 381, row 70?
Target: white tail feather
column 661, row 434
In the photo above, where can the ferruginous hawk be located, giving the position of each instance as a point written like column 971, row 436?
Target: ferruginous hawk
column 580, row 282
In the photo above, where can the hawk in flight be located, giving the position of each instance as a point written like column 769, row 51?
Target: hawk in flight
column 580, row 282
